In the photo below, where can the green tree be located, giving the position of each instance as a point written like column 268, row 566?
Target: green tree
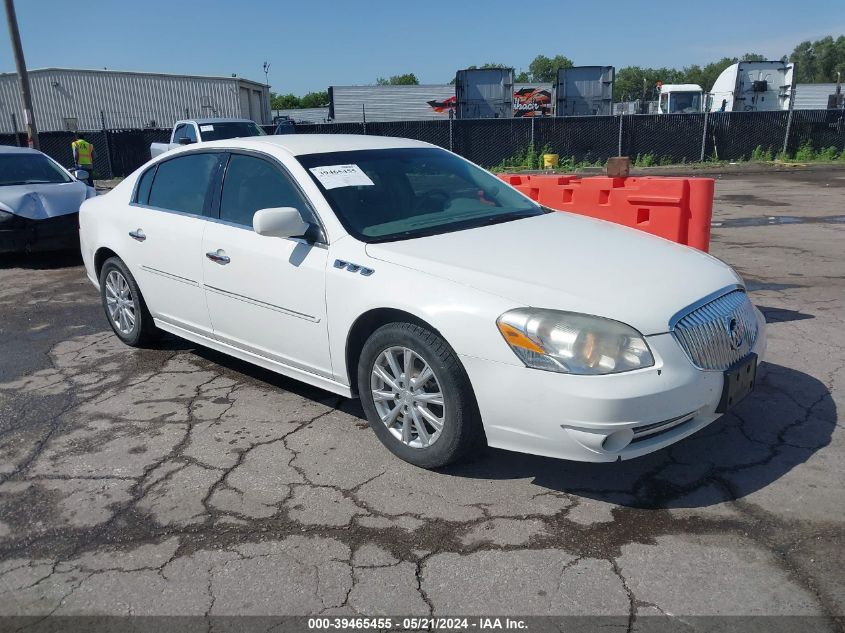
column 408, row 79
column 819, row 61
column 634, row 82
column 314, row 100
column 283, row 102
column 544, row 68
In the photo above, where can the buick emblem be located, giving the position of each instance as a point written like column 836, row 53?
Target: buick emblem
column 736, row 333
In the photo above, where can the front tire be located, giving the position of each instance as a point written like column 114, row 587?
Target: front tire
column 417, row 396
column 124, row 305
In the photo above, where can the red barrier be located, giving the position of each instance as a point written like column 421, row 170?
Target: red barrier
column 678, row 209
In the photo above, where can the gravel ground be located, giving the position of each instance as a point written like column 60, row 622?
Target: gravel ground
column 177, row 481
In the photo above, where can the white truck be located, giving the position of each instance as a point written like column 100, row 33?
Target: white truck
column 680, row 98
column 202, row 130
column 742, row 87
column 753, row 87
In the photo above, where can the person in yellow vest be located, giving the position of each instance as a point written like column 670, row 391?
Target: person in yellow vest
column 83, row 156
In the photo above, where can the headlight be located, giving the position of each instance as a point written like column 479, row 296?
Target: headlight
column 573, row 343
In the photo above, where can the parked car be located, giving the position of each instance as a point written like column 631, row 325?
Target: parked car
column 458, row 309
column 285, row 125
column 193, row 131
column 39, row 201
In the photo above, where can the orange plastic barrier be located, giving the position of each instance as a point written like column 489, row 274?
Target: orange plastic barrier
column 678, row 209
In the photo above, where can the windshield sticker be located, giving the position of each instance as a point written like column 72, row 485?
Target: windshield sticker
column 206, row 128
column 334, row 176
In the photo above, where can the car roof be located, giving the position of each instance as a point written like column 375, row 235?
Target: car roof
column 300, row 144
column 11, row 149
column 216, row 120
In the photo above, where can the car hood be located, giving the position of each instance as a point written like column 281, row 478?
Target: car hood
column 38, row 202
column 569, row 262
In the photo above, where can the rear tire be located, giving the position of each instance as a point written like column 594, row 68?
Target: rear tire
column 124, row 305
column 417, row 396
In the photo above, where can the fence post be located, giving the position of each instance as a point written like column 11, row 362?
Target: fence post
column 106, row 138
column 532, row 131
column 451, row 118
column 619, row 152
column 704, row 137
column 788, row 126
column 364, row 117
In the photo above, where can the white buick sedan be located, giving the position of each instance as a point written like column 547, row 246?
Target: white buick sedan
column 456, row 308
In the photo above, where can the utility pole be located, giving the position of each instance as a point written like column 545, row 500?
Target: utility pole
column 23, row 77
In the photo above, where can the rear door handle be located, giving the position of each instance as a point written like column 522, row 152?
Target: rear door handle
column 218, row 257
column 138, row 235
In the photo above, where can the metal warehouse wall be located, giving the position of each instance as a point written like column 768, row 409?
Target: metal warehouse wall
column 128, row 100
column 813, row 96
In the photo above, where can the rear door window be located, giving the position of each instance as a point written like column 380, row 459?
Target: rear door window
column 182, row 183
column 145, row 183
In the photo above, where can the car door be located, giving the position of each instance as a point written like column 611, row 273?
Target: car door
column 166, row 227
column 265, row 294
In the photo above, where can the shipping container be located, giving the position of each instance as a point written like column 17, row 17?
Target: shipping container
column 584, row 91
column 71, row 99
column 416, row 103
column 390, row 103
column 484, row 93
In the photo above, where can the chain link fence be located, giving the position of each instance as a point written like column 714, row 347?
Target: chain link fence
column 649, row 139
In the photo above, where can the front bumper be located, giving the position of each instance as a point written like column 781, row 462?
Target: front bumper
column 19, row 234
column 598, row 418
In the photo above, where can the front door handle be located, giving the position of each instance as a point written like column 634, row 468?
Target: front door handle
column 218, row 257
column 137, row 235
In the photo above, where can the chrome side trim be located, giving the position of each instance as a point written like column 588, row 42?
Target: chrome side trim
column 262, row 304
column 162, row 273
column 353, row 268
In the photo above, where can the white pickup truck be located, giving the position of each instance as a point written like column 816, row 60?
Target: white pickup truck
column 203, row 130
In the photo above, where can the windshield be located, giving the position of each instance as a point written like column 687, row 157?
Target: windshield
column 230, row 129
column 392, row 194
column 686, row 102
column 29, row 169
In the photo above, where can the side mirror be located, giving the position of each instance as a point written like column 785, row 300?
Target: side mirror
column 279, row 222
column 185, row 141
column 80, row 174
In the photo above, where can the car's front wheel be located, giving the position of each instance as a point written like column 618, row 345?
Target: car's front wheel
column 124, row 306
column 417, row 396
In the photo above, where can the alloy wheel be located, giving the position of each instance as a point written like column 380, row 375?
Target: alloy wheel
column 408, row 397
column 119, row 301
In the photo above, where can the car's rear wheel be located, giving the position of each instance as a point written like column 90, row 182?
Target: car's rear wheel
column 417, row 396
column 124, row 305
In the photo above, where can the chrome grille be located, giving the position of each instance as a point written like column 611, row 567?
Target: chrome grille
column 719, row 333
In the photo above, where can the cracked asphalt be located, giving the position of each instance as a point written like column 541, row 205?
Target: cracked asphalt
column 178, row 481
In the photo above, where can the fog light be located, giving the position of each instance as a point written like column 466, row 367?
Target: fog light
column 601, row 441
column 618, row 440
